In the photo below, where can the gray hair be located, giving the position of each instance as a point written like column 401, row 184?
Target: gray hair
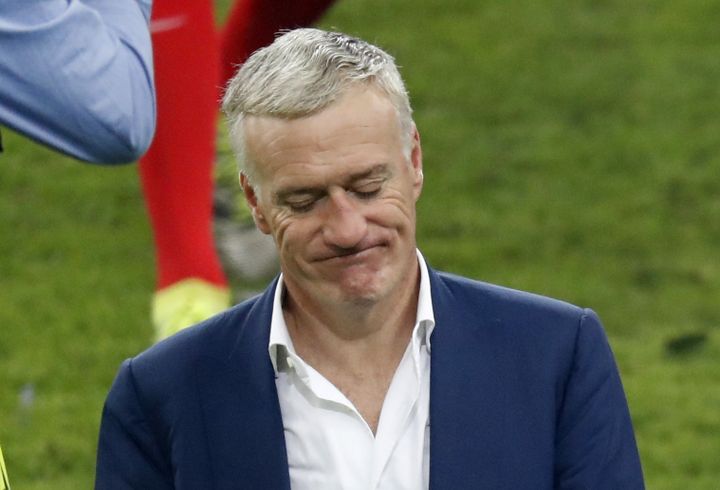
column 301, row 73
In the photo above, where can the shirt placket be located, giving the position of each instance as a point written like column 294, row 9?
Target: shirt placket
column 397, row 412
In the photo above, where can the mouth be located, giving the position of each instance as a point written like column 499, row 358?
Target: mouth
column 355, row 254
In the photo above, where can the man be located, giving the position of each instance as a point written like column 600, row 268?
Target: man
column 76, row 75
column 360, row 366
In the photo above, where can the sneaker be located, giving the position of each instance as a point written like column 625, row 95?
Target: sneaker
column 186, row 303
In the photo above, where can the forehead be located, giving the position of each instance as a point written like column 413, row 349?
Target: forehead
column 354, row 134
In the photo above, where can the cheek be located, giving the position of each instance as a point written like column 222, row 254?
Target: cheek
column 397, row 209
column 291, row 235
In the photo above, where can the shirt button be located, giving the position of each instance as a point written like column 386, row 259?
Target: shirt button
column 290, row 363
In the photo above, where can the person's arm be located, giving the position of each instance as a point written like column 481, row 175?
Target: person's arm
column 595, row 444
column 129, row 455
column 77, row 75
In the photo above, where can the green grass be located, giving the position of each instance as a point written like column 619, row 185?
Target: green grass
column 570, row 149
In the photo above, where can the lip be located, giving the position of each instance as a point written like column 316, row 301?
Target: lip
column 355, row 256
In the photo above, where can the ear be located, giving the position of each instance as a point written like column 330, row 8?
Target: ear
column 416, row 163
column 253, row 202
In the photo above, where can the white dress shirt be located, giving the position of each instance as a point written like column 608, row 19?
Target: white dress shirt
column 329, row 444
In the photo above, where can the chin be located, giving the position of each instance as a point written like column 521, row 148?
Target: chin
column 363, row 292
column 361, row 301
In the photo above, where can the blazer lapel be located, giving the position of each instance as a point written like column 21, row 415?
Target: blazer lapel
column 240, row 387
column 466, row 393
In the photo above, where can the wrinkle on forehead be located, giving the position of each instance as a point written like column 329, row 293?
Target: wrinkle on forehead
column 362, row 128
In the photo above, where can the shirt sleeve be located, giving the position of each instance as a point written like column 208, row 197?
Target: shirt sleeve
column 77, row 76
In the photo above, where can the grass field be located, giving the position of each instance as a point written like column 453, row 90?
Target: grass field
column 571, row 149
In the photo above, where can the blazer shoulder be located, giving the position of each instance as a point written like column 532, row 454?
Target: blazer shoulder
column 166, row 367
column 494, row 297
column 513, row 317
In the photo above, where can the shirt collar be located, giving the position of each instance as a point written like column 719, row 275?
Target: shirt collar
column 281, row 344
column 425, row 319
column 279, row 335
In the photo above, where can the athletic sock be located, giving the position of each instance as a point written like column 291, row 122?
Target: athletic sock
column 177, row 171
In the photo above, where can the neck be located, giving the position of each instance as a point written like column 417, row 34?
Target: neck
column 357, row 347
column 354, row 335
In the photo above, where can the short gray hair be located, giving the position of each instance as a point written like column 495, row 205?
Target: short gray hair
column 301, row 73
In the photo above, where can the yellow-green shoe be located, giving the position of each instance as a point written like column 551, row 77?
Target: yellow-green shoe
column 4, row 480
column 186, row 303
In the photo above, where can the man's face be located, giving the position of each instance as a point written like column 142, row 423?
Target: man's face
column 338, row 196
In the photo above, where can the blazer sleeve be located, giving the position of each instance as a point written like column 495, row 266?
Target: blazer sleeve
column 129, row 453
column 595, row 444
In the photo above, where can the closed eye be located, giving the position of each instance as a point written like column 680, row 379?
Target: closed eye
column 367, row 194
column 301, row 206
column 301, row 202
column 368, row 190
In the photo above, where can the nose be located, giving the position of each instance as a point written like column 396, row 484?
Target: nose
column 345, row 225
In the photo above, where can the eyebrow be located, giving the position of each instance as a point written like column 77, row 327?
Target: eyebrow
column 376, row 171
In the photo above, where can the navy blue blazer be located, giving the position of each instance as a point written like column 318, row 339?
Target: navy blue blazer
column 524, row 394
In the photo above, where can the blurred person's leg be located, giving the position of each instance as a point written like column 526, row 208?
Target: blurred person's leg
column 253, row 24
column 177, row 171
